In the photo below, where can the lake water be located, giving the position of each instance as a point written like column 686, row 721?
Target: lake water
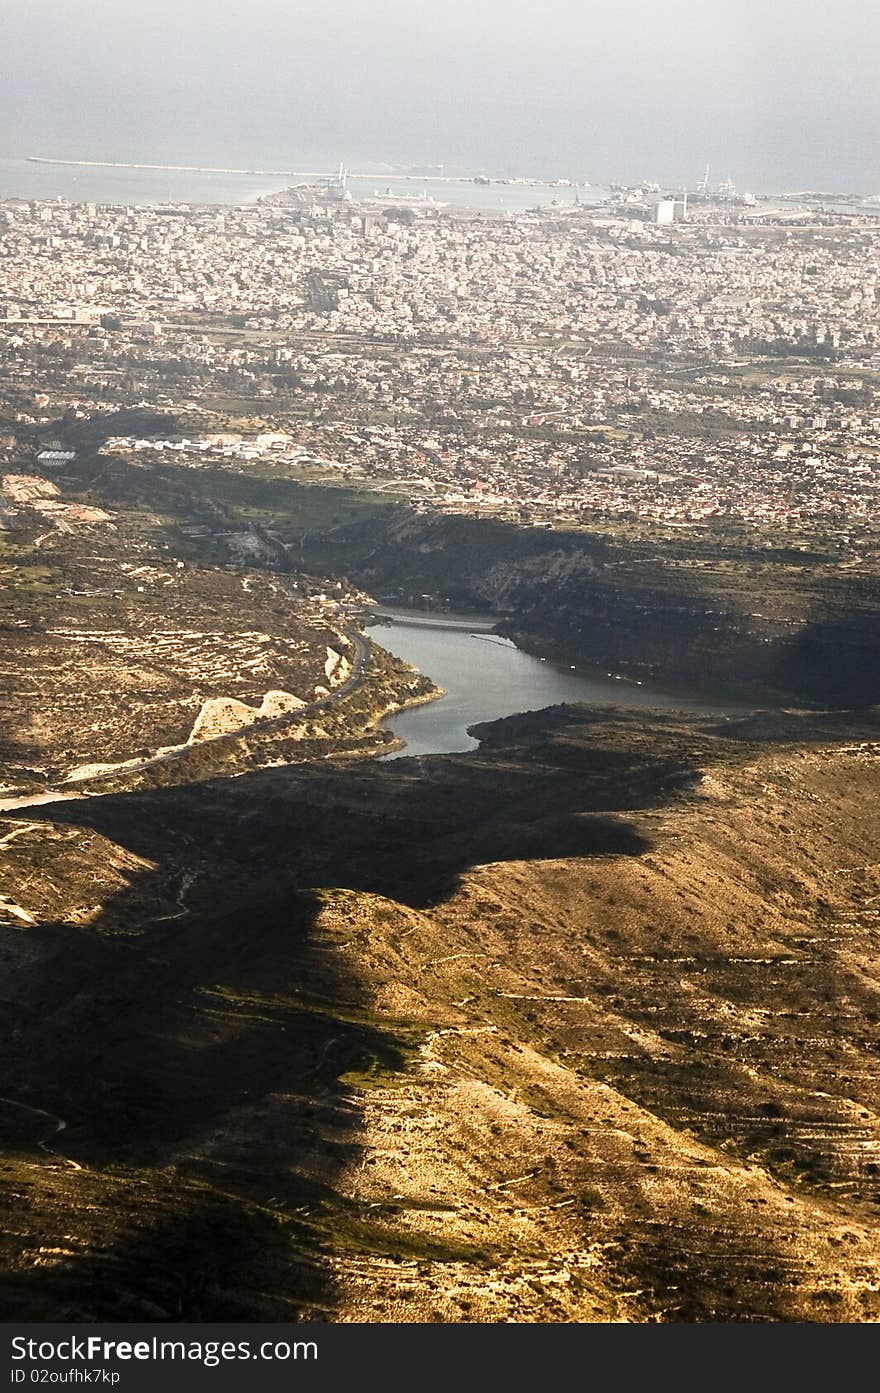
column 486, row 677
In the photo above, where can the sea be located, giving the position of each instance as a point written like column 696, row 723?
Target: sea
column 143, row 187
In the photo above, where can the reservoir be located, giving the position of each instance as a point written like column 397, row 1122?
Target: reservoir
column 486, row 677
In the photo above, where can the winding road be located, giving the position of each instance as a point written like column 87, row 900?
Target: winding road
column 67, row 789
column 60, row 1126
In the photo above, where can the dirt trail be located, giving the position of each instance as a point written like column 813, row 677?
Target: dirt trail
column 60, row 1126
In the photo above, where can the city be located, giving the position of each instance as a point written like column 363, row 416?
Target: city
column 357, row 971
column 569, row 370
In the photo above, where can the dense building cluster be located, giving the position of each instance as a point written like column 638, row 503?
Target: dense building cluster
column 546, row 367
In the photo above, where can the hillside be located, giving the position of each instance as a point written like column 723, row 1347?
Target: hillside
column 701, row 611
column 580, row 1027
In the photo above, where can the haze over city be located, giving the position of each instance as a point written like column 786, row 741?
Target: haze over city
column 780, row 96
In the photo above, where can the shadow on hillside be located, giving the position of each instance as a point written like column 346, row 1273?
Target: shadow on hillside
column 218, row 1041
column 215, row 1045
column 20, row 759
column 406, row 829
column 832, row 660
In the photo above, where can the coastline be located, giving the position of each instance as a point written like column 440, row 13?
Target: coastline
column 398, row 707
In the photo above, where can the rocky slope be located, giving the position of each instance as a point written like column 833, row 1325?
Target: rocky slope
column 711, row 613
column 580, row 1027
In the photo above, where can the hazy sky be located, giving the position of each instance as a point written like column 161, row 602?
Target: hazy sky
column 778, row 93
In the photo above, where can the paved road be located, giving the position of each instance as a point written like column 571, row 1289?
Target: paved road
column 359, row 671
